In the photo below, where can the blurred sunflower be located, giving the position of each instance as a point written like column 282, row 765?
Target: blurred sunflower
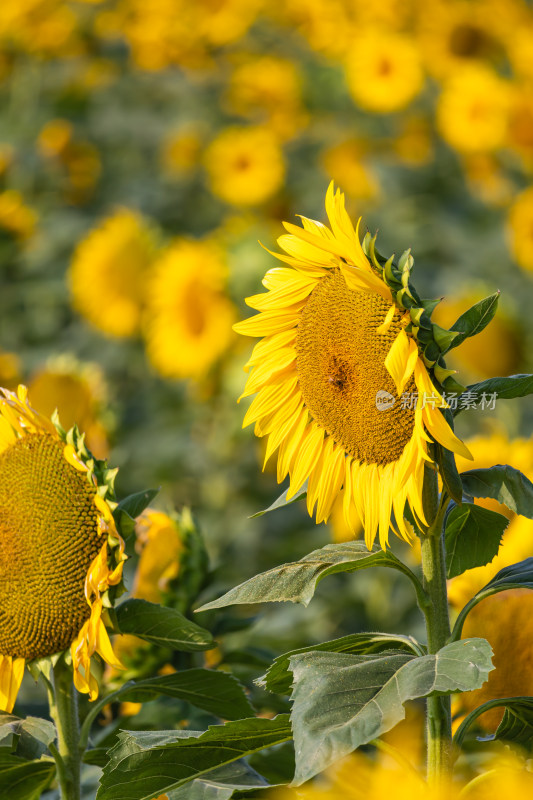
column 383, row 70
column 108, row 273
column 245, row 165
column 61, row 552
column 188, row 318
column 16, row 218
column 344, row 163
column 335, row 341
column 520, row 229
column 79, row 393
column 472, row 111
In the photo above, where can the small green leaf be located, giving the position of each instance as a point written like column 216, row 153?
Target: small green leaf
column 219, row 693
column 517, row 576
column 146, row 764
column 516, row 725
column 503, row 483
column 473, row 535
column 444, row 338
column 24, row 780
column 29, row 737
column 278, row 677
column 505, row 388
column 165, row 627
column 344, row 701
column 282, row 501
column 475, row 319
column 130, row 508
column 296, row 582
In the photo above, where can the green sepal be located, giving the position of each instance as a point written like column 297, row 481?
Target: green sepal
column 424, row 336
column 406, row 261
column 451, row 385
column 431, row 353
column 431, row 305
column 442, row 374
column 388, row 270
column 443, row 337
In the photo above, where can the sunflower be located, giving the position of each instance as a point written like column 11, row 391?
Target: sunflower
column 61, row 557
column 344, row 338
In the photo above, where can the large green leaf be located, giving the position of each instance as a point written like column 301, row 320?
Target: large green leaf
column 344, row 701
column 217, row 692
column 220, row 784
column 148, row 763
column 296, row 582
column 473, row 535
column 475, row 319
column 505, row 389
column 21, row 779
column 162, row 626
column 282, row 501
column 517, row 576
column 130, row 508
column 28, row 738
column 278, row 677
column 503, row 483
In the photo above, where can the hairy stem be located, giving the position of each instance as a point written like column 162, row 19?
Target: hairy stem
column 64, row 711
column 439, row 730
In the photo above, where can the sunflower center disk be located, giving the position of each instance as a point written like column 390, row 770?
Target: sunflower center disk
column 48, row 538
column 341, row 369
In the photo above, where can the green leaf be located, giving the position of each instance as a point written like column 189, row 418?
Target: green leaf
column 28, row 738
column 278, row 677
column 24, row 780
column 503, row 483
column 344, row 701
column 296, row 582
column 220, row 784
column 218, row 693
column 282, row 501
column 517, row 576
column 130, row 508
column 505, row 388
column 148, row 763
column 516, row 724
column 448, row 469
column 472, row 535
column 162, row 626
column 475, row 319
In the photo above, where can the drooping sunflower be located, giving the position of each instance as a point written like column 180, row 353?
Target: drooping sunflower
column 342, row 375
column 61, row 556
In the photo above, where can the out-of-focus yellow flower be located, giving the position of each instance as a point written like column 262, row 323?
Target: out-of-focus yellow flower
column 517, row 542
column 497, row 350
column 506, row 621
column 109, row 270
column 359, row 777
column 54, row 137
column 159, row 544
column 16, row 218
column 521, row 47
column 383, row 70
column 165, row 32
column 269, row 90
column 487, row 179
column 41, row 27
column 245, row 165
column 456, row 33
column 326, row 24
column 10, row 370
column 413, row 144
column 520, row 229
column 344, row 163
column 189, row 317
column 180, row 152
column 79, row 393
column 472, row 112
column 520, row 130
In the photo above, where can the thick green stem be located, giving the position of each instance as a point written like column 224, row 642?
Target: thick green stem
column 439, row 730
column 64, row 712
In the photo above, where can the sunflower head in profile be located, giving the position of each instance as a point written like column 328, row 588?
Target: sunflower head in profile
column 61, row 556
column 349, row 375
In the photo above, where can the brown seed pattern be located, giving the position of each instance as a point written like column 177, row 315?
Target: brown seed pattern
column 48, row 538
column 340, row 366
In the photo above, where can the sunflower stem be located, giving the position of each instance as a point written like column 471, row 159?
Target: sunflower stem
column 64, row 712
column 439, row 727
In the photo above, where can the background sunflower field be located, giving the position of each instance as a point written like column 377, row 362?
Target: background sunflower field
column 146, row 148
